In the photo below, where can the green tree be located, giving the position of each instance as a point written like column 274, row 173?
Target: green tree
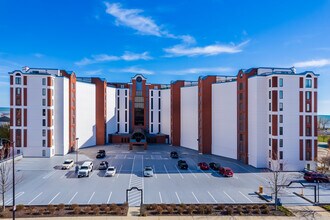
column 5, row 131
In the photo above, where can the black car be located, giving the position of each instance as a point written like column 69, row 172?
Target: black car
column 100, row 154
column 103, row 165
column 182, row 164
column 174, row 155
column 215, row 166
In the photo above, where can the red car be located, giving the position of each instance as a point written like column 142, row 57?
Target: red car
column 226, row 171
column 203, row 166
column 316, row 177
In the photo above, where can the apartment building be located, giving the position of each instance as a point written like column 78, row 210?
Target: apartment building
column 263, row 116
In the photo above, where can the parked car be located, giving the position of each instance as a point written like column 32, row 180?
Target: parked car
column 85, row 169
column 316, row 177
column 182, row 164
column 103, row 165
column 100, row 154
column 214, row 166
column 174, row 155
column 226, row 171
column 67, row 164
column 111, row 171
column 148, row 171
column 203, row 166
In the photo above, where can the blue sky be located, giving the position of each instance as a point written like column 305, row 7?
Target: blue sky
column 165, row 40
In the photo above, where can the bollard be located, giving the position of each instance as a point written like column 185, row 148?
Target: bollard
column 261, row 189
column 302, row 191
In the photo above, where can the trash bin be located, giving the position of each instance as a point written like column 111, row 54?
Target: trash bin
column 261, row 189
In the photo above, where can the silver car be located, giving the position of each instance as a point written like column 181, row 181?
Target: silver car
column 111, row 171
column 148, row 171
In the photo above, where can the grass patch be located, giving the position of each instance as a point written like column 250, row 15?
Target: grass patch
column 326, row 207
column 286, row 211
column 323, row 138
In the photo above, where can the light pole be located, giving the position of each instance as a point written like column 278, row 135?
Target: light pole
column 77, row 166
column 13, row 152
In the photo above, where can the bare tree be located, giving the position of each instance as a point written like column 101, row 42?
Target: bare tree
column 277, row 179
column 323, row 164
column 323, row 122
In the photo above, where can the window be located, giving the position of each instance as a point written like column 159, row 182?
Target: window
column 43, row 132
column 308, row 83
column 270, row 106
column 281, row 118
column 152, row 103
column 159, row 103
column 152, row 93
column 118, row 115
column 158, row 128
column 118, row 128
column 152, row 116
column 241, row 137
column 269, row 142
column 125, row 102
column 269, row 165
column 43, row 91
column 118, row 103
column 308, row 119
column 18, row 117
column 43, row 122
column 281, row 82
column 270, row 130
column 269, row 83
column 125, row 116
column 159, row 116
column 269, row 118
column 281, row 94
column 125, row 127
column 308, row 107
column 159, row 93
column 281, row 130
column 125, row 92
column 44, row 143
column 281, row 155
column 43, row 102
column 281, row 142
column 308, row 95
column 18, row 91
column 241, row 86
column 118, row 92
column 269, row 153
column 152, row 128
column 281, row 106
column 281, row 166
column 241, row 96
column 270, row 94
column 43, row 81
column 308, row 131
column 43, row 112
column 18, row 80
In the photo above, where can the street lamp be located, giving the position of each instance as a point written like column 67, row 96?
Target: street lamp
column 13, row 152
column 77, row 166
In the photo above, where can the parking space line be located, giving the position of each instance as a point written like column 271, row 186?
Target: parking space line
column 62, row 176
column 92, row 174
column 228, row 196
column 72, row 197
column 160, row 197
column 195, row 197
column 49, row 174
column 177, row 196
column 179, row 172
column 90, row 198
column 192, row 173
column 130, row 178
column 109, row 198
column 34, row 198
column 167, row 172
column 212, row 197
column 119, row 171
column 205, row 173
column 155, row 172
column 16, row 196
column 142, row 179
column 245, row 196
column 54, row 198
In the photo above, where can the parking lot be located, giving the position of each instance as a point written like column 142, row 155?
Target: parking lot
column 43, row 182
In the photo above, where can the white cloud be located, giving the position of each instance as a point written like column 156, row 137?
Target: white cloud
column 133, row 70
column 210, row 50
column 313, row 63
column 93, row 72
column 38, row 55
column 199, row 70
column 101, row 58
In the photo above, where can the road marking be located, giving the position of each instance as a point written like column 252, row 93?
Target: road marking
column 34, row 198
column 49, row 174
column 167, row 172
column 92, row 174
column 160, row 196
column 142, row 180
column 53, row 198
column 212, row 197
column 205, row 173
column 90, row 198
column 192, row 173
column 155, row 171
column 73, row 197
column 195, row 197
column 63, row 176
column 179, row 172
column 130, row 178
column 177, row 196
column 119, row 171
column 16, row 196
column 229, row 196
column 125, row 156
column 245, row 196
column 109, row 198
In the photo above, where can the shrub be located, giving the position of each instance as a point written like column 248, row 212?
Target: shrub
column 60, row 206
column 51, row 210
column 265, row 211
column 208, row 209
column 256, row 211
column 73, row 206
column 143, row 211
column 220, row 207
column 96, row 210
column 5, row 213
column 286, row 211
column 239, row 210
column 20, row 207
column 191, row 209
column 201, row 209
column 87, row 210
column 35, row 211
column 170, row 209
column 103, row 206
column 255, row 206
column 93, row 206
column 113, row 207
column 76, row 210
column 159, row 210
column 264, row 206
column 125, row 204
column 184, row 206
column 180, row 210
column 229, row 210
column 107, row 210
column 118, row 211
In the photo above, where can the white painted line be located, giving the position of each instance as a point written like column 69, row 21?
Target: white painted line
column 53, row 198
column 155, row 171
column 212, row 197
column 63, row 176
column 160, row 197
column 49, row 174
column 130, row 178
column 16, row 196
column 72, row 197
column 205, row 173
column 177, row 196
column 90, row 198
column 192, row 173
column 109, row 198
column 125, row 156
column 195, row 197
column 179, row 172
column 119, row 171
column 229, row 196
column 167, row 172
column 34, row 198
column 142, row 180
column 92, row 174
column 245, row 196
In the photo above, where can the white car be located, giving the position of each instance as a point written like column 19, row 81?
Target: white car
column 67, row 164
column 148, row 171
column 111, row 171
